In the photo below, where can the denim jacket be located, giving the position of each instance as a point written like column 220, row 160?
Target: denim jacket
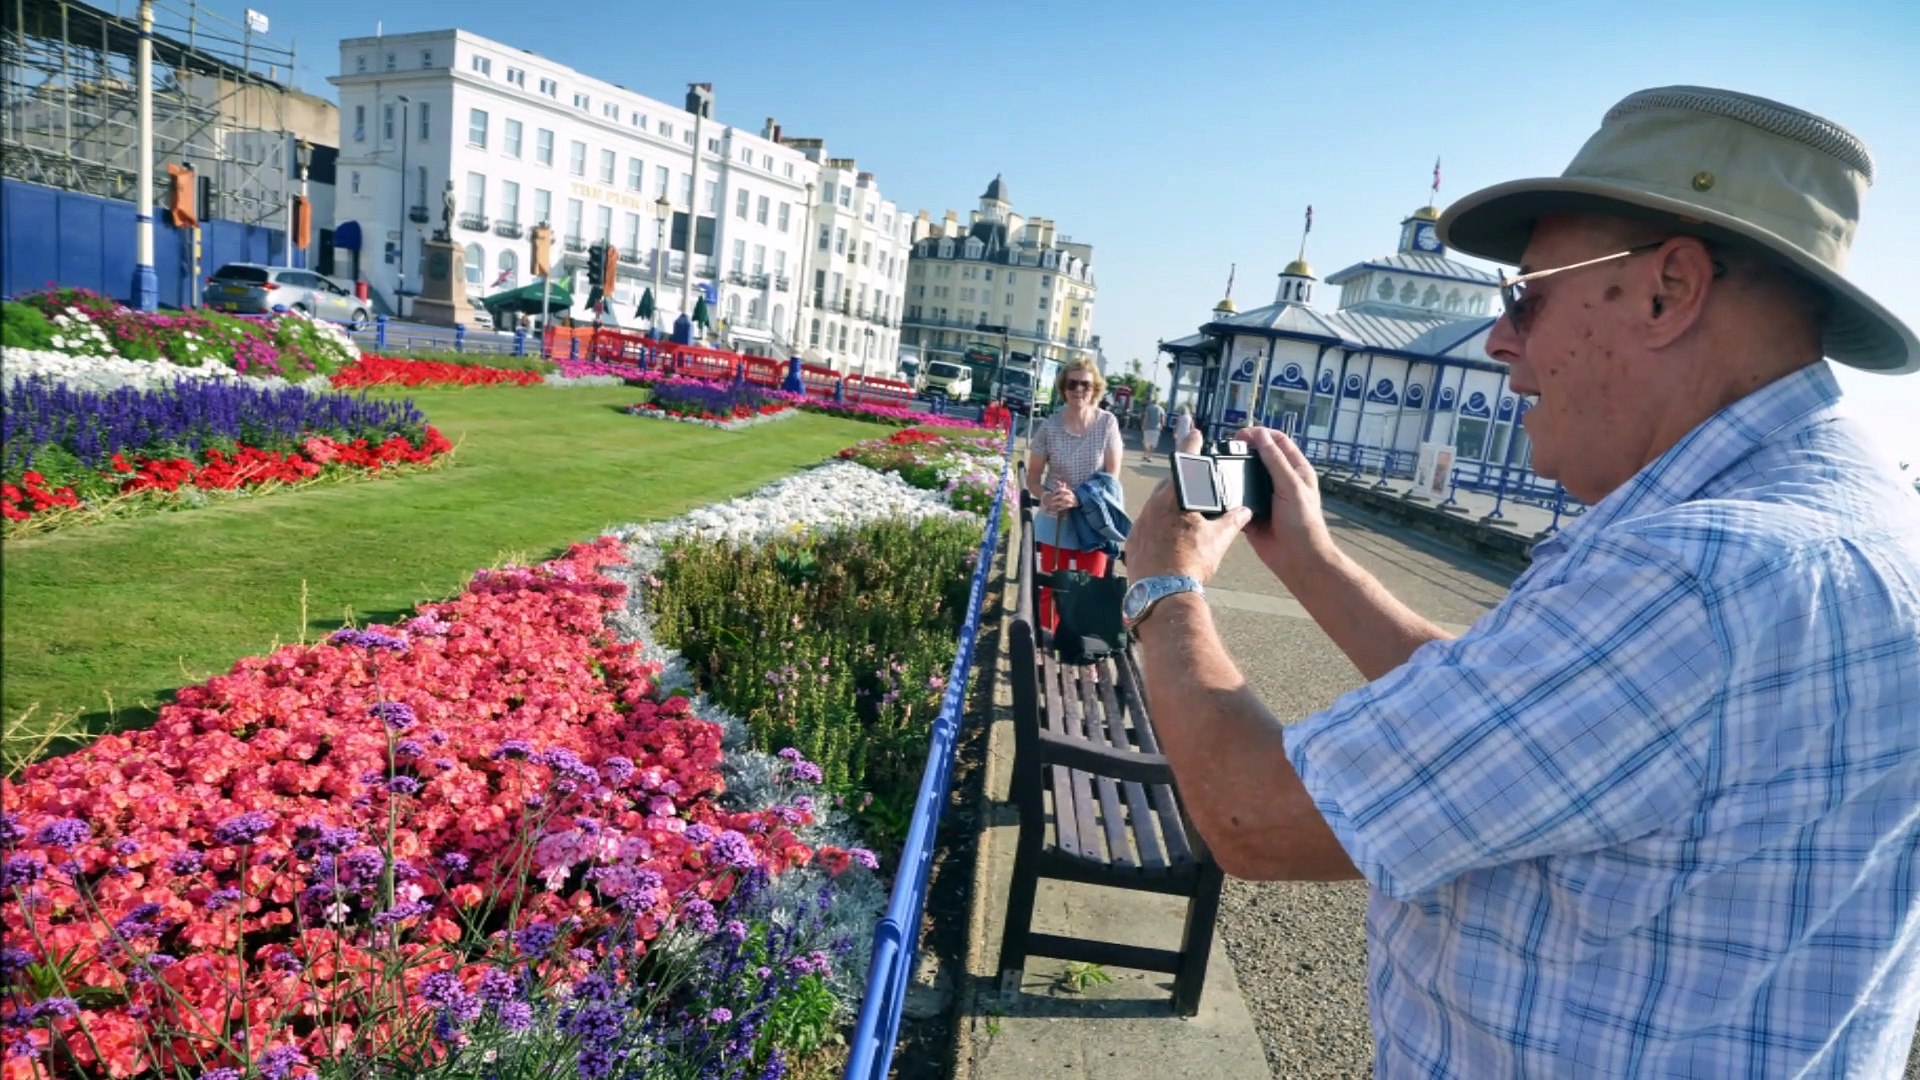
column 1099, row 522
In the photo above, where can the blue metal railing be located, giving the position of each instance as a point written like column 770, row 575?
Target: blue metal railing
column 896, row 940
column 392, row 336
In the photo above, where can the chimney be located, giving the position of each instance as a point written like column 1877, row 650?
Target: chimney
column 771, row 132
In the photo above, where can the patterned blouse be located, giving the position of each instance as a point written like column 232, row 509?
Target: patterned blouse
column 1071, row 459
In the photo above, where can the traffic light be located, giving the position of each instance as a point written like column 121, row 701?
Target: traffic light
column 596, row 263
column 607, row 270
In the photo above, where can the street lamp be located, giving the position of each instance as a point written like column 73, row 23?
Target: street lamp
column 662, row 213
column 800, row 283
column 400, row 245
column 303, row 156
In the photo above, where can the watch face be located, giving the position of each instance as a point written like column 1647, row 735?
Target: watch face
column 1134, row 602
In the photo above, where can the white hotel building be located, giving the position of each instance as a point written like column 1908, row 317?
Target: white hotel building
column 524, row 140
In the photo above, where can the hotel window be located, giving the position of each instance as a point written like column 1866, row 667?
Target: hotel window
column 391, row 60
column 760, row 210
column 870, row 211
column 786, row 212
column 603, row 223
column 686, row 190
column 866, row 254
column 666, row 130
column 611, row 110
column 846, row 195
column 483, row 65
column 426, row 58
column 517, row 77
column 550, row 88
column 780, row 263
column 839, row 241
column 511, row 138
column 510, row 202
column 360, row 63
column 353, row 182
column 640, row 121
column 739, row 257
column 575, row 211
column 542, row 206
column 386, row 123
column 636, row 174
column 582, row 102
column 543, row 147
column 789, row 170
column 710, row 195
column 740, row 204
column 633, row 233
column 476, row 194
column 426, row 119
column 826, row 237
column 662, row 178
column 359, row 123
column 606, row 166
column 577, row 158
column 826, row 193
column 759, row 258
column 476, row 128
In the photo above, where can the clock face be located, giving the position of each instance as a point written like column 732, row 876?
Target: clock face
column 1426, row 239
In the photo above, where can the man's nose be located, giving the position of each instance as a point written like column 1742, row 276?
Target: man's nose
column 1503, row 341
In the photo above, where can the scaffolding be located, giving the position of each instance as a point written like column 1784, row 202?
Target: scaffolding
column 70, row 118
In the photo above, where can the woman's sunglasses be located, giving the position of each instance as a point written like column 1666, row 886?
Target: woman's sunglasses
column 1079, row 384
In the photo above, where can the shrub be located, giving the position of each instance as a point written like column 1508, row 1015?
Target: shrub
column 23, row 326
column 837, row 644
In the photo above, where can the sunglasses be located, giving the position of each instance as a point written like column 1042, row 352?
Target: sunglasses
column 1079, row 384
column 1521, row 308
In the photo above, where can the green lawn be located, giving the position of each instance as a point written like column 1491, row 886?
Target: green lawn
column 126, row 611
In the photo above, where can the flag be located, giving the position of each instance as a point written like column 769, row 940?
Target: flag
column 1436, row 175
column 1309, row 217
column 506, row 275
column 1232, row 268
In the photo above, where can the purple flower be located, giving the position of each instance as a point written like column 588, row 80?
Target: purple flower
column 279, row 1062
column 513, row 749
column 224, row 898
column 403, row 785
column 401, row 912
column 537, row 939
column 220, row 1074
column 497, row 987
column 11, row 831
column 13, row 961
column 698, row 833
column 807, row 772
column 409, row 748
column 515, row 1016
column 443, row 991
column 139, row 922
column 57, row 1006
column 66, row 833
column 126, row 846
column 398, row 715
column 243, row 828
column 618, row 769
column 732, row 850
column 721, row 1016
column 865, row 858
column 368, row 639
column 186, row 862
column 735, row 929
column 21, row 870
column 790, row 755
column 699, row 915
column 455, row 862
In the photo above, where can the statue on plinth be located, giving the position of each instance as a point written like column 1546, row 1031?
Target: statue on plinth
column 446, row 214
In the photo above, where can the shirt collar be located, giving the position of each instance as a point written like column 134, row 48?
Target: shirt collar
column 1705, row 452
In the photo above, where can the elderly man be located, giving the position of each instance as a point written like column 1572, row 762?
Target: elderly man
column 1658, row 813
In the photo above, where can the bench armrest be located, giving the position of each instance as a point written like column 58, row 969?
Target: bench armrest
column 1132, row 766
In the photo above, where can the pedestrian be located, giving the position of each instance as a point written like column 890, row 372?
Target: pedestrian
column 1067, row 450
column 1658, row 812
column 1182, row 424
column 1152, row 419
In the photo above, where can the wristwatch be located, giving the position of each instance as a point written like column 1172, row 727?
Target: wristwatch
column 1145, row 592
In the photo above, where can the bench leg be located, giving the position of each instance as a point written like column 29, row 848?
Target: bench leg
column 1020, row 896
column 1196, row 941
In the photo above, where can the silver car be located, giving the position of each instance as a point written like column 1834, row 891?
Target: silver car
column 253, row 289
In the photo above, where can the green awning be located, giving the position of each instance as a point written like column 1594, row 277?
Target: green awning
column 526, row 300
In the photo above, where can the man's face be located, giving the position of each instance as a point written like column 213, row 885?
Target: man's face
column 1587, row 422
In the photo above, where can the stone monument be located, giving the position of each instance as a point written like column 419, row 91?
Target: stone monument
column 442, row 300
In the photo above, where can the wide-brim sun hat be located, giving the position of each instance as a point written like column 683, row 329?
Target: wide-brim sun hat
column 1728, row 167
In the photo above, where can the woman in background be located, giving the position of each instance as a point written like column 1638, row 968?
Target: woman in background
column 1065, row 452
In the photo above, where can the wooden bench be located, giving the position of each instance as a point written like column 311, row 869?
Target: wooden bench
column 1083, row 737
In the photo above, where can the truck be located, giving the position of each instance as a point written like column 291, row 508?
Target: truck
column 1026, row 384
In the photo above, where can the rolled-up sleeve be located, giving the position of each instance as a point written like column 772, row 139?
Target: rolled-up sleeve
column 1569, row 719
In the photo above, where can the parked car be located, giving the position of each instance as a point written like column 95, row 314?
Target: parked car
column 949, row 380
column 253, row 289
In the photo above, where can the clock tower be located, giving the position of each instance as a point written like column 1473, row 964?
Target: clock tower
column 1417, row 234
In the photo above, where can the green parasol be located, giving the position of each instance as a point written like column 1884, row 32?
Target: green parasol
column 700, row 313
column 645, row 310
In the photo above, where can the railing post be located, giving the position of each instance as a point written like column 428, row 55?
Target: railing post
column 380, row 332
column 1453, row 487
column 459, row 337
column 573, row 346
column 1559, row 507
column 793, row 384
column 840, row 389
column 519, row 341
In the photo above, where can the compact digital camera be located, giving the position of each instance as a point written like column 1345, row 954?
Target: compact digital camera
column 1221, row 477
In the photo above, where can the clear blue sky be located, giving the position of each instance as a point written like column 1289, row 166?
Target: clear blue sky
column 1179, row 139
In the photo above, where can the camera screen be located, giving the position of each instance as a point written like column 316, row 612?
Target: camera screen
column 1195, row 481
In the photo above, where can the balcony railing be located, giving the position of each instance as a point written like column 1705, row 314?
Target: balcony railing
column 476, row 222
column 509, row 229
column 757, row 280
column 575, row 243
column 736, row 277
column 781, row 283
column 631, row 258
column 417, row 215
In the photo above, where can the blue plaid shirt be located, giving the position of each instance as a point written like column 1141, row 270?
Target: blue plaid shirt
column 1658, row 813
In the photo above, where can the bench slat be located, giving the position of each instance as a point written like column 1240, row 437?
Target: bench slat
column 1085, row 785
column 1098, row 722
column 1171, row 825
column 1065, row 817
column 1144, row 833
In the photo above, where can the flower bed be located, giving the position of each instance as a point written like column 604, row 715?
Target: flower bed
column 102, row 373
column 77, row 322
column 724, row 406
column 966, row 469
column 372, row 370
column 480, row 836
column 63, row 449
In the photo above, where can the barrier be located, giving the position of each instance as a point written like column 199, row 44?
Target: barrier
column 866, row 389
column 896, row 939
column 820, row 382
column 394, row 337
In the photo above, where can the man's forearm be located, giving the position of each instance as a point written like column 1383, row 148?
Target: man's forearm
column 1376, row 631
column 1228, row 754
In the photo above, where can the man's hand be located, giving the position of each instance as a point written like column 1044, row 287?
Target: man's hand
column 1295, row 533
column 1166, row 541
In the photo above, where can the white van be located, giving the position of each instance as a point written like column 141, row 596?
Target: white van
column 949, row 380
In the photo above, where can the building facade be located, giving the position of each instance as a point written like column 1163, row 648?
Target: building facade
column 856, row 269
column 694, row 207
column 1395, row 381
column 999, row 282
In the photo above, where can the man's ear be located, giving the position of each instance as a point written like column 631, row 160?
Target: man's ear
column 1681, row 275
